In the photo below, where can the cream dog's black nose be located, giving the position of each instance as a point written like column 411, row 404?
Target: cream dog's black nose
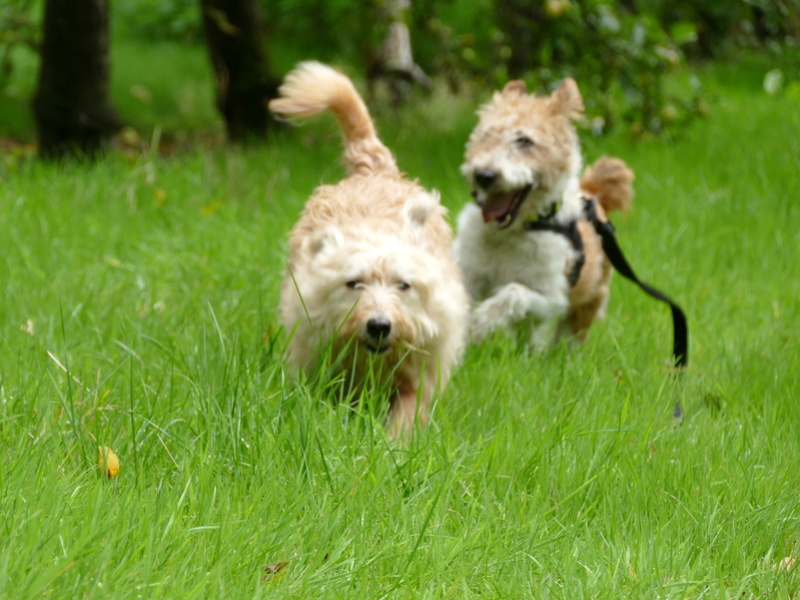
column 379, row 328
column 484, row 178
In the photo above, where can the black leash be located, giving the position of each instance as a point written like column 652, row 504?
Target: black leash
column 680, row 331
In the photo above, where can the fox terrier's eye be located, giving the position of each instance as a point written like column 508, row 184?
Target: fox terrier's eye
column 354, row 284
column 403, row 286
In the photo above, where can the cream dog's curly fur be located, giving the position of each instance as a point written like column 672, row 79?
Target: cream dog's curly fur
column 523, row 160
column 371, row 273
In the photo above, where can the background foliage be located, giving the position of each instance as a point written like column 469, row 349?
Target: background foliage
column 18, row 27
column 618, row 50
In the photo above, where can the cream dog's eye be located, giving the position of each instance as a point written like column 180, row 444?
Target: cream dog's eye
column 403, row 285
column 353, row 284
column 523, row 141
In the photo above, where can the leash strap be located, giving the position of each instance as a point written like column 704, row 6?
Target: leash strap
column 680, row 331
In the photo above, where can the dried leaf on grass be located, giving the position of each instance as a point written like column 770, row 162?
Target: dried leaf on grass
column 275, row 570
column 786, row 564
column 108, row 461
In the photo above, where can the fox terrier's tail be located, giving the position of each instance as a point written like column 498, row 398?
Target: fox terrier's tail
column 312, row 88
column 609, row 180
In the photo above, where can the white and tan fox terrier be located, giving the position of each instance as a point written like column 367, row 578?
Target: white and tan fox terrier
column 531, row 259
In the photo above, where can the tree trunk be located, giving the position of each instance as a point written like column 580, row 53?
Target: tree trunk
column 395, row 61
column 72, row 107
column 523, row 23
column 234, row 37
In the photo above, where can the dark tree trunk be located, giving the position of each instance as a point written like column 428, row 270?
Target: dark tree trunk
column 522, row 21
column 234, row 36
column 760, row 24
column 72, row 108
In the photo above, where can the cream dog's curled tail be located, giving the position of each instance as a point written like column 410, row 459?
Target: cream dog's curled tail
column 312, row 88
column 610, row 181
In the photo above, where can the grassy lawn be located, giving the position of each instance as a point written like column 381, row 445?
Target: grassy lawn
column 138, row 311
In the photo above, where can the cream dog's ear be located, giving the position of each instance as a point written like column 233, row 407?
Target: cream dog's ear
column 328, row 237
column 422, row 206
column 566, row 100
column 515, row 86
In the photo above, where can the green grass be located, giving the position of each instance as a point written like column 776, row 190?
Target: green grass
column 138, row 312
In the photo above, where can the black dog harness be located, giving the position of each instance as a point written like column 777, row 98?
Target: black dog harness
column 570, row 231
column 680, row 331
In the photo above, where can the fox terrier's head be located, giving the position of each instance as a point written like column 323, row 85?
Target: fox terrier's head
column 524, row 152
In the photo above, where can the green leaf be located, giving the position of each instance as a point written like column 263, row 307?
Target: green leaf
column 683, row 32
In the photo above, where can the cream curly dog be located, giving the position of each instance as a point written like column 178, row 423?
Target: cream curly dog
column 530, row 258
column 371, row 276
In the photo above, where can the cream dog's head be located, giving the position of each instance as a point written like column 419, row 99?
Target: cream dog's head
column 374, row 294
column 523, row 152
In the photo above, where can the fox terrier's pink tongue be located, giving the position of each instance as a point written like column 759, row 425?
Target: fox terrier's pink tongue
column 502, row 206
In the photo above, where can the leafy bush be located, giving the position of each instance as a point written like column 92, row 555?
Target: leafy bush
column 618, row 50
column 618, row 57
column 724, row 24
column 159, row 19
column 17, row 28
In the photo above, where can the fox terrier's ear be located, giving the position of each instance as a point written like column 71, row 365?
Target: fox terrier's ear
column 566, row 100
column 515, row 86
